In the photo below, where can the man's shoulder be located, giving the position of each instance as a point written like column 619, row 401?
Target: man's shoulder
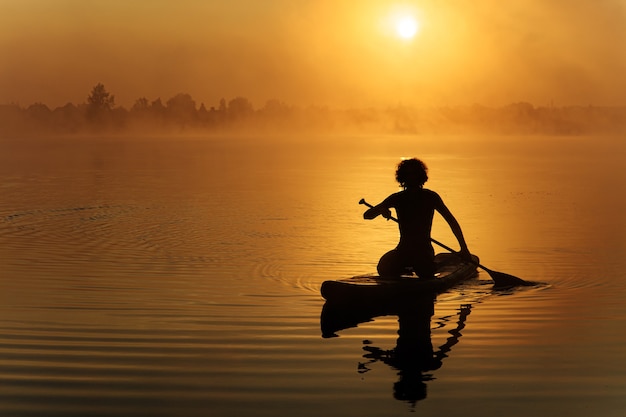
column 396, row 195
column 432, row 195
column 422, row 194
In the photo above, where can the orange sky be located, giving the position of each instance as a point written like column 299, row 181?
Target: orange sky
column 328, row 52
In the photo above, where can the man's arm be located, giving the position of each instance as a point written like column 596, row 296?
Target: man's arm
column 454, row 225
column 378, row 210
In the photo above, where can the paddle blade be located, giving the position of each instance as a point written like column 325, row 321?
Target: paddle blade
column 502, row 280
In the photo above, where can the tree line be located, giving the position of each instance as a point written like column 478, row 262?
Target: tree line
column 181, row 114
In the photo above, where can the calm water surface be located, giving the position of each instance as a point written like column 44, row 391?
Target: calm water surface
column 181, row 276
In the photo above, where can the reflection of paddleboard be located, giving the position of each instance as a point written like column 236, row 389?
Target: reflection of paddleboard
column 338, row 316
column 372, row 289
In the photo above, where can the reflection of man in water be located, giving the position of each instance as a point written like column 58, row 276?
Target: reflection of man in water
column 414, row 355
column 415, row 207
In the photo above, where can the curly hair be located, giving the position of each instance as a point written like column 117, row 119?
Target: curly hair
column 412, row 173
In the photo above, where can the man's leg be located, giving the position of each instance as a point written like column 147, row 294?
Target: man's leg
column 391, row 265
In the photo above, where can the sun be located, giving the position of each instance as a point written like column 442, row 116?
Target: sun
column 406, row 27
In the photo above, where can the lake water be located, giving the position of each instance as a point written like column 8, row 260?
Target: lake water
column 181, row 277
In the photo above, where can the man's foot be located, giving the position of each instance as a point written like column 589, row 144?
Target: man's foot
column 428, row 278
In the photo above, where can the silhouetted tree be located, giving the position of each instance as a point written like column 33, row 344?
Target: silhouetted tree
column 203, row 115
column 239, row 108
column 181, row 109
column 275, row 108
column 157, row 106
column 100, row 98
column 157, row 111
column 69, row 118
column 40, row 113
column 141, row 105
column 139, row 116
column 275, row 115
column 99, row 105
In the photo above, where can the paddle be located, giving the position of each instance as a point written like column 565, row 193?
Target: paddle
column 500, row 279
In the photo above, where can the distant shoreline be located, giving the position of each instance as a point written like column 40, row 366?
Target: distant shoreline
column 181, row 115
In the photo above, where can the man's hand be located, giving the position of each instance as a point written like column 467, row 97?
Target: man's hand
column 386, row 213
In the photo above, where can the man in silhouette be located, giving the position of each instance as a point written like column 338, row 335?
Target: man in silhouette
column 415, row 207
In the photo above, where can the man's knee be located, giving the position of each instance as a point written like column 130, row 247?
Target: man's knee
column 390, row 265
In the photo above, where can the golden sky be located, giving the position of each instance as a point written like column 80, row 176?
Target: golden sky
column 327, row 52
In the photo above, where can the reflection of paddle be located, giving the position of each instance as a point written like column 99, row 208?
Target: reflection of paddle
column 500, row 279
